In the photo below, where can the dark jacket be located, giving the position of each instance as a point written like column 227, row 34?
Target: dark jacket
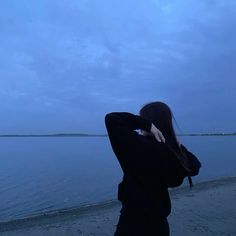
column 143, row 160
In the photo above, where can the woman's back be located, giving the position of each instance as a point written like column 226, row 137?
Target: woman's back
column 150, row 164
column 144, row 163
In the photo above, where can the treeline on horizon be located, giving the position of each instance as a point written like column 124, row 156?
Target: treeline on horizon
column 102, row 135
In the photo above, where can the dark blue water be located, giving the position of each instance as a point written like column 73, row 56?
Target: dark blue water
column 39, row 175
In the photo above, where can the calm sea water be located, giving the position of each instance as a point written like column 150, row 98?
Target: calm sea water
column 41, row 175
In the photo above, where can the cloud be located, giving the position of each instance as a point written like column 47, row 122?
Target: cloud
column 100, row 55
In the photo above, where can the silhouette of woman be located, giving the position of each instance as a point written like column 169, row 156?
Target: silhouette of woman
column 144, row 158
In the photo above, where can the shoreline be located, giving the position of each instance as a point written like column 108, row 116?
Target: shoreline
column 205, row 202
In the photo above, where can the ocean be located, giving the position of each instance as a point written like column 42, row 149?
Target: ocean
column 43, row 175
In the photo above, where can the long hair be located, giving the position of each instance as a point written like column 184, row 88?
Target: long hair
column 161, row 116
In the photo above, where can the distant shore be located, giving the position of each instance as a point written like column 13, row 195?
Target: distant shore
column 98, row 135
column 207, row 210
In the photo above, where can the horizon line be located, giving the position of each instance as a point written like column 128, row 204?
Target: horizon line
column 103, row 135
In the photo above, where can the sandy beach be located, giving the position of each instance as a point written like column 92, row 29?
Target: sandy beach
column 207, row 209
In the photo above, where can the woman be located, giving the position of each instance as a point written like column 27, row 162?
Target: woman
column 144, row 159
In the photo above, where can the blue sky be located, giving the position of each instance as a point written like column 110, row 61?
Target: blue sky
column 65, row 64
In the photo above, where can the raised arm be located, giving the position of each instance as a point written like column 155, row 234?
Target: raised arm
column 125, row 141
column 125, row 121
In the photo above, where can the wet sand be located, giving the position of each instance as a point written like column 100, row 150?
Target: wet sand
column 206, row 210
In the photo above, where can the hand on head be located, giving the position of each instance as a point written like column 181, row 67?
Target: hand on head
column 157, row 133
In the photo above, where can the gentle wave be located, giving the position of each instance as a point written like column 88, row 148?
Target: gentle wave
column 90, row 208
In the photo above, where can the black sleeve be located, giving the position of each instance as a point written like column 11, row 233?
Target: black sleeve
column 193, row 163
column 125, row 141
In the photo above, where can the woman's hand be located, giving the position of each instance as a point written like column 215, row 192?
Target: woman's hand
column 157, row 133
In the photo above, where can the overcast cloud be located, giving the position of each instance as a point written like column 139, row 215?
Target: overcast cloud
column 64, row 64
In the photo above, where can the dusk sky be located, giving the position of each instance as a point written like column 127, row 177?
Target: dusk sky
column 65, row 64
